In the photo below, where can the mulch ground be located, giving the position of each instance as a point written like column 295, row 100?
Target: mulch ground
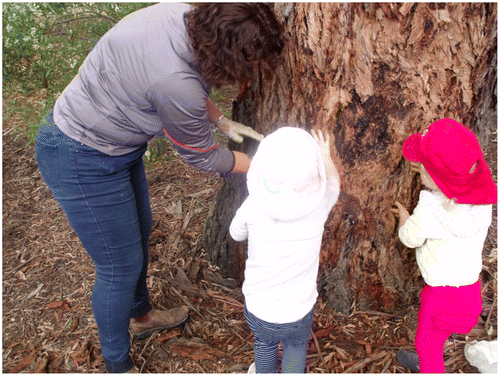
column 47, row 322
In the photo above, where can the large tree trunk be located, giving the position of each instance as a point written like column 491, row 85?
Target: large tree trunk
column 371, row 75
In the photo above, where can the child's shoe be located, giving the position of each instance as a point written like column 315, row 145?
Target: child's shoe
column 159, row 320
column 409, row 359
column 251, row 369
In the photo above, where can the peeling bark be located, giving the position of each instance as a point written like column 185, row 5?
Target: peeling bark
column 372, row 74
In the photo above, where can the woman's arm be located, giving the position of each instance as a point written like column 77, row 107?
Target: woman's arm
column 213, row 112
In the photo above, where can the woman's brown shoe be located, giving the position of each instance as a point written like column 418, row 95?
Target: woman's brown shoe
column 159, row 320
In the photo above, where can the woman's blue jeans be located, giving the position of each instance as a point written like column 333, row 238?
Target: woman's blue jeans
column 106, row 201
column 294, row 336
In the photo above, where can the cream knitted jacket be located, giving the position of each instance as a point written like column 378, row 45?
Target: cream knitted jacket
column 448, row 243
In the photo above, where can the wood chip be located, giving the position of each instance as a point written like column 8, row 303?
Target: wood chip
column 194, row 349
column 25, row 361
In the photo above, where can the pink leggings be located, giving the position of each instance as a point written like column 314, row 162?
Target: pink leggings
column 444, row 310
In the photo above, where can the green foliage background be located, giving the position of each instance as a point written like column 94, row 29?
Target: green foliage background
column 43, row 46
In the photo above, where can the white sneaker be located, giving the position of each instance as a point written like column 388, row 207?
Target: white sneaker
column 251, row 369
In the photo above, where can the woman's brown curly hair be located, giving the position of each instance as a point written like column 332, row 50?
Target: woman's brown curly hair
column 228, row 38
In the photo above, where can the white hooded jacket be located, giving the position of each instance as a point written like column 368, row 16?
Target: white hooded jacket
column 448, row 243
column 283, row 219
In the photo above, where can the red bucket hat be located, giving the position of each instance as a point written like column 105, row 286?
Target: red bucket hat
column 449, row 151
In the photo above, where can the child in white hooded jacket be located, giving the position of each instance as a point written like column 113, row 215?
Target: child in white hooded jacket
column 293, row 185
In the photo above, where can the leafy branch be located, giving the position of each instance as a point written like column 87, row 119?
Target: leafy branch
column 88, row 17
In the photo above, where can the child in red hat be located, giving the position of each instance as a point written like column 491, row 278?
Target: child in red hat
column 448, row 228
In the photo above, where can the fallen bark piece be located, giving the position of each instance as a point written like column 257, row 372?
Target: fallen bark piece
column 59, row 304
column 41, row 365
column 359, row 365
column 194, row 349
column 27, row 360
column 82, row 352
column 169, row 334
column 322, row 333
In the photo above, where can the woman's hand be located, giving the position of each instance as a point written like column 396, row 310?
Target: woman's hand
column 401, row 213
column 235, row 131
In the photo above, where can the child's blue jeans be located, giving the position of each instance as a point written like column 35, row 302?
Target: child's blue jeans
column 294, row 336
column 106, row 201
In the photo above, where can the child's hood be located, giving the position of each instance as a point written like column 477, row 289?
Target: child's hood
column 462, row 220
column 287, row 177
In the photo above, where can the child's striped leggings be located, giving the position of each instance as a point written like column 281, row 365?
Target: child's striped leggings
column 294, row 336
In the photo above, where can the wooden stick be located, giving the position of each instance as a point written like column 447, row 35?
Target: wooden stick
column 359, row 365
column 318, row 349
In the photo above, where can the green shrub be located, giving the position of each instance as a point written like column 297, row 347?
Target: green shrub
column 43, row 46
column 45, row 43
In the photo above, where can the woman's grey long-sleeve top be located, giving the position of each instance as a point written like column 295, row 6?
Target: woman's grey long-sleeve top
column 138, row 83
